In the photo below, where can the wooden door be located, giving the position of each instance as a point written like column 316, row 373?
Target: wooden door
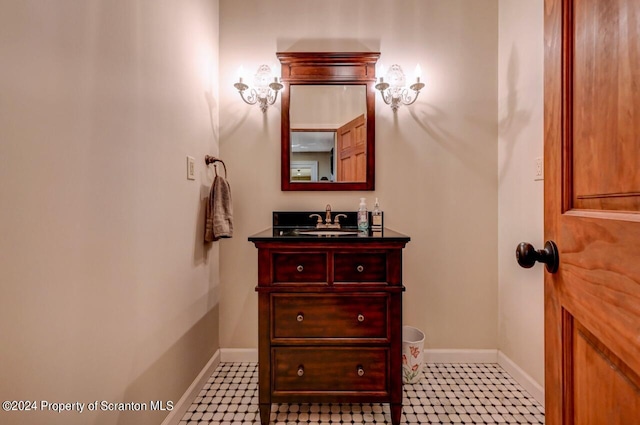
column 352, row 151
column 592, row 211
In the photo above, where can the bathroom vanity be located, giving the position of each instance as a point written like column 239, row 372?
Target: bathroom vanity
column 330, row 317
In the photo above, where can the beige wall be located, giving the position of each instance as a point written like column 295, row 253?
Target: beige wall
column 108, row 292
column 436, row 161
column 520, row 205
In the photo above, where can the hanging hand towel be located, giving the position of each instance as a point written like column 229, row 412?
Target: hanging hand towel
column 219, row 213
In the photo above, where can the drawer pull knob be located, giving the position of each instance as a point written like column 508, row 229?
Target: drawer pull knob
column 360, row 268
column 300, row 268
column 300, row 317
column 300, row 370
column 360, row 318
column 360, row 371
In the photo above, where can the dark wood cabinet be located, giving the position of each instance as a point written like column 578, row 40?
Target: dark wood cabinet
column 330, row 321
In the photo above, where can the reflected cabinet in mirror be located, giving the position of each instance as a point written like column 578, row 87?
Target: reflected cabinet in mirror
column 328, row 121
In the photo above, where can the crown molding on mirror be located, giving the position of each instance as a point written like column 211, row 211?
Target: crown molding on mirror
column 328, row 92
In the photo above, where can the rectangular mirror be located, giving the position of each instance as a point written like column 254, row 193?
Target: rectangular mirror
column 328, row 121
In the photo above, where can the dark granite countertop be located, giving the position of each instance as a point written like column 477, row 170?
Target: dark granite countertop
column 290, row 226
column 298, row 234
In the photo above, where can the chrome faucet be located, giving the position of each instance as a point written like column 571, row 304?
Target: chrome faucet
column 327, row 220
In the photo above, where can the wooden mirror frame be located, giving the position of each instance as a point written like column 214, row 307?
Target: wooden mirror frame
column 328, row 68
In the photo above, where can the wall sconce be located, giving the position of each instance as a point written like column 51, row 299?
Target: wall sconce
column 393, row 90
column 265, row 89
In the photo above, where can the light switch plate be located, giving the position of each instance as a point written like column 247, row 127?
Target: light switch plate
column 539, row 170
column 191, row 168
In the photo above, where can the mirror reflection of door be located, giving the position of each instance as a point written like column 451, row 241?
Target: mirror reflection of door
column 328, row 125
column 351, row 148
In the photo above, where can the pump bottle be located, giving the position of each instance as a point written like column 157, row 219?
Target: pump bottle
column 363, row 217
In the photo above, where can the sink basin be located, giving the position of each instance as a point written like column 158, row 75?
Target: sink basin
column 329, row 232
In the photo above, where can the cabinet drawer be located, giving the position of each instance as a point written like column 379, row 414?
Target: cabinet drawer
column 323, row 369
column 329, row 316
column 303, row 267
column 360, row 267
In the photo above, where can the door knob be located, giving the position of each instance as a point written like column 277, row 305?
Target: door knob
column 527, row 255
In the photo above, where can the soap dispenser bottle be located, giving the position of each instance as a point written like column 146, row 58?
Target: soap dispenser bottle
column 363, row 217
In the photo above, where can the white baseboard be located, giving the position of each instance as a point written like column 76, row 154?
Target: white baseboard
column 460, row 356
column 244, row 355
column 180, row 408
column 523, row 378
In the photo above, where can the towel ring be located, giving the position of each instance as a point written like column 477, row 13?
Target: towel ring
column 208, row 159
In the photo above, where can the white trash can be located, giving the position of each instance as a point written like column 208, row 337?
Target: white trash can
column 412, row 354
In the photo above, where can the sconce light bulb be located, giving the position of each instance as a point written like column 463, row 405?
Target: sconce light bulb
column 418, row 72
column 240, row 73
column 381, row 71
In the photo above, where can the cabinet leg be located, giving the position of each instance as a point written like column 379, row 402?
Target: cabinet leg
column 396, row 414
column 265, row 413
